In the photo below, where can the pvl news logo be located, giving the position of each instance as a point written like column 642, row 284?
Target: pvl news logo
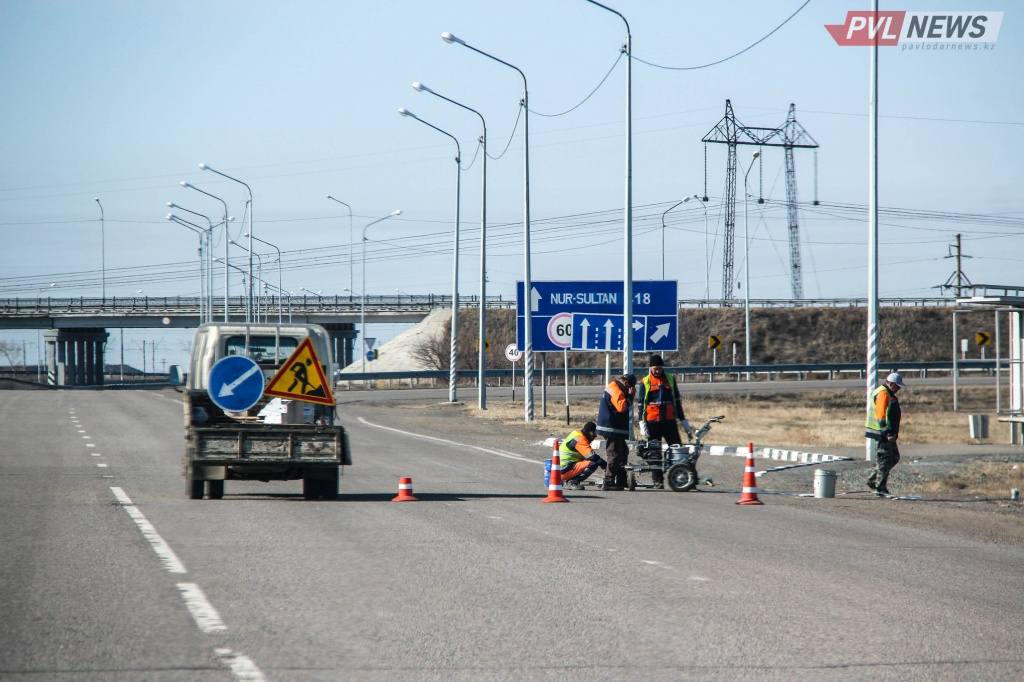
column 939, row 30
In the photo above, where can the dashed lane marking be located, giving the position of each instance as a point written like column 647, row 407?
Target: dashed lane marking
column 240, row 665
column 206, row 617
column 96, row 454
column 101, row 465
column 167, row 557
column 489, row 451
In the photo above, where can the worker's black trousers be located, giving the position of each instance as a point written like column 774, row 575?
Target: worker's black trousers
column 887, row 457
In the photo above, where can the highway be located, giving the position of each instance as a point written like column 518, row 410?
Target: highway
column 110, row 573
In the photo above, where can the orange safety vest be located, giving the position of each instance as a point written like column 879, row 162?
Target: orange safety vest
column 659, row 398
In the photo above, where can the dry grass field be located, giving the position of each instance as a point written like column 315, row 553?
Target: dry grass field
column 819, row 419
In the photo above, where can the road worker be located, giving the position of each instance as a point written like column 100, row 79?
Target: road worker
column 883, row 425
column 659, row 407
column 613, row 424
column 577, row 457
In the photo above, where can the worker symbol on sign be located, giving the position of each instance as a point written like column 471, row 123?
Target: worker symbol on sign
column 302, row 378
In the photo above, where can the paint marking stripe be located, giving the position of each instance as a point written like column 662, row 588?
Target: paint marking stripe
column 101, row 465
column 206, row 617
column 240, row 665
column 167, row 557
column 489, row 451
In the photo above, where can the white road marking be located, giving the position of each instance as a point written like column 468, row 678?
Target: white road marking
column 87, row 437
column 489, row 451
column 240, row 665
column 496, row 518
column 101, row 465
column 96, row 454
column 90, row 445
column 167, row 557
column 206, row 617
column 700, row 579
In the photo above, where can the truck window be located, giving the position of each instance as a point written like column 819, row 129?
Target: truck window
column 261, row 348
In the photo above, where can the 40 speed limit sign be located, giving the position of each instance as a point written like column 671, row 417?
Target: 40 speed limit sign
column 560, row 329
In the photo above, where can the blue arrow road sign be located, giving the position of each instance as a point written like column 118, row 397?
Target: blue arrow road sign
column 235, row 383
column 595, row 309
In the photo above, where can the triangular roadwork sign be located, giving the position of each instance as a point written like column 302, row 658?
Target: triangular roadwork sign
column 302, row 378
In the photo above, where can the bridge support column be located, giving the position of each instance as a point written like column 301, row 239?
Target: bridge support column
column 74, row 357
column 343, row 336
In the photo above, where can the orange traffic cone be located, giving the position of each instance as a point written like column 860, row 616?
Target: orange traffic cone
column 555, row 481
column 405, row 491
column 749, row 495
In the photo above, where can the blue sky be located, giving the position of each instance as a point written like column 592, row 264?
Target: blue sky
column 121, row 100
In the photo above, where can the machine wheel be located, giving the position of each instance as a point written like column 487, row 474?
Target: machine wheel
column 630, row 480
column 215, row 489
column 329, row 487
column 194, row 489
column 681, row 477
column 311, row 488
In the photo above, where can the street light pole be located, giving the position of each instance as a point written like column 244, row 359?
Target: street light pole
column 103, row 251
column 527, row 282
column 350, row 245
column 362, row 305
column 203, row 166
column 202, row 234
column 256, row 309
column 872, row 336
column 209, row 257
column 279, row 285
column 227, row 257
column 627, row 283
column 454, row 340
column 481, row 372
column 663, row 233
column 746, row 267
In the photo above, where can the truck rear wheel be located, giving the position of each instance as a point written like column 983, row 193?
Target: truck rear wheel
column 216, row 489
column 311, row 488
column 329, row 488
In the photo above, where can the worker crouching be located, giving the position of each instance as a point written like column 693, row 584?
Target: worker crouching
column 578, row 458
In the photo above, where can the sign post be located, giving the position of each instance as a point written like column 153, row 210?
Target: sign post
column 513, row 354
column 565, row 364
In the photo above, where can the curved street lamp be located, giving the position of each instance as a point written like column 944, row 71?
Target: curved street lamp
column 351, row 262
column 481, row 379
column 454, row 340
column 209, row 256
column 527, row 282
column 205, row 167
column 362, row 305
column 227, row 257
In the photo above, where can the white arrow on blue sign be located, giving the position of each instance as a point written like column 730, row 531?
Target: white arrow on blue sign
column 595, row 309
column 235, row 383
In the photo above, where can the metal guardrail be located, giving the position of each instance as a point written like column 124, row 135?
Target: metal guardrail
column 189, row 305
column 792, row 368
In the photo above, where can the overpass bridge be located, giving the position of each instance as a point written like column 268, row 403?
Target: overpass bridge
column 75, row 328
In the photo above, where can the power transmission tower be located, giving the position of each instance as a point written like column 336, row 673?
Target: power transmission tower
column 791, row 135
column 958, row 279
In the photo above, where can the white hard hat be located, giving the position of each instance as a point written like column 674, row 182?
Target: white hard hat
column 896, row 378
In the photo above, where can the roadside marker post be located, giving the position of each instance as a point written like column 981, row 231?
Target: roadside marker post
column 565, row 365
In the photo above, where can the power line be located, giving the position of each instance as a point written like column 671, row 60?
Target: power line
column 732, row 56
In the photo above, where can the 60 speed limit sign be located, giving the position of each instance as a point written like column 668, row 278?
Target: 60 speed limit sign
column 560, row 329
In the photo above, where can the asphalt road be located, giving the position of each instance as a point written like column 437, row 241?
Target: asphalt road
column 478, row 580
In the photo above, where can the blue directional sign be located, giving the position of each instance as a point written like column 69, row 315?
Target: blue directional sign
column 235, row 383
column 587, row 316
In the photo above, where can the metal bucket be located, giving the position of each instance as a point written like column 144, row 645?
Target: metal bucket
column 824, row 483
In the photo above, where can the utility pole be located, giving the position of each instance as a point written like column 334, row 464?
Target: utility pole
column 958, row 279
